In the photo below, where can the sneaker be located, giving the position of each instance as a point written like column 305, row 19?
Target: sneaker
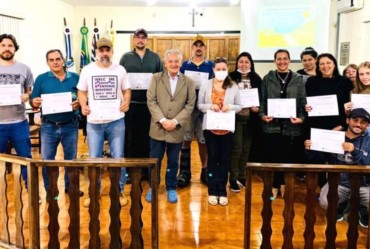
column 172, row 196
column 87, row 202
column 241, row 183
column 183, row 179
column 341, row 210
column 123, row 201
column 148, row 196
column 213, row 200
column 204, row 176
column 234, row 186
column 363, row 217
column 223, row 201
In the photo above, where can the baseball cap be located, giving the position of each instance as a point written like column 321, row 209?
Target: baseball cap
column 141, row 31
column 199, row 38
column 104, row 42
column 360, row 112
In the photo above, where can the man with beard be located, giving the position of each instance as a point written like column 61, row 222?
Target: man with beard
column 140, row 63
column 356, row 152
column 200, row 70
column 104, row 94
column 16, row 76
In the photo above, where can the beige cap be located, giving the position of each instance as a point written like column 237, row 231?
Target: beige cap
column 199, row 38
column 104, row 42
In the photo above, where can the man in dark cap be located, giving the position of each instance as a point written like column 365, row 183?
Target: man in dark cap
column 140, row 63
column 356, row 152
column 200, row 70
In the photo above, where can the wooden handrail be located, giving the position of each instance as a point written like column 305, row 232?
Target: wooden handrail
column 266, row 171
column 134, row 166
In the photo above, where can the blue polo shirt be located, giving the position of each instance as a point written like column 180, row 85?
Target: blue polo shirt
column 205, row 67
column 47, row 83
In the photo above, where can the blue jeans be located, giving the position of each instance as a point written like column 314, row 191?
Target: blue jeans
column 114, row 132
column 157, row 149
column 19, row 135
column 51, row 136
column 218, row 149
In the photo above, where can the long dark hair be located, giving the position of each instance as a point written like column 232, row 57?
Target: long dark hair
column 332, row 58
column 227, row 82
column 249, row 56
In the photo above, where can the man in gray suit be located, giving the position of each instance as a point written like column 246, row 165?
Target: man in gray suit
column 171, row 99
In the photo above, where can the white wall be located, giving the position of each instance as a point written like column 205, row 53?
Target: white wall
column 42, row 28
column 352, row 29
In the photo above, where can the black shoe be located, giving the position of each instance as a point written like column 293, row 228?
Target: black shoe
column 341, row 210
column 234, row 186
column 204, row 176
column 81, row 192
column 241, row 183
column 183, row 179
column 363, row 217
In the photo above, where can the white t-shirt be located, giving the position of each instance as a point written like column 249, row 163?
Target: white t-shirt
column 104, row 87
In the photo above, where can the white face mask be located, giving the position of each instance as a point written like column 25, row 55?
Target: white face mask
column 240, row 71
column 221, row 75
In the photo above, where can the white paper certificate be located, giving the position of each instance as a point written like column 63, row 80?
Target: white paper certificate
column 104, row 110
column 327, row 140
column 10, row 94
column 281, row 108
column 198, row 77
column 220, row 120
column 361, row 101
column 249, row 97
column 56, row 103
column 326, row 105
column 139, row 80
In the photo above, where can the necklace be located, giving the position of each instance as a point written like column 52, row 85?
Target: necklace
column 283, row 80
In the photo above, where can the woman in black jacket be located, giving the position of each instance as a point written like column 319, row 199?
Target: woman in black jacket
column 247, row 124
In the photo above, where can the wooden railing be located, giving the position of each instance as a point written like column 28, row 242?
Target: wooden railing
column 266, row 171
column 134, row 166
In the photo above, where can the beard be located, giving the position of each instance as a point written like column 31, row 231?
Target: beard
column 105, row 61
column 7, row 56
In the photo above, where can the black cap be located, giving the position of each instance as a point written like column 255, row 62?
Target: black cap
column 360, row 112
column 141, row 31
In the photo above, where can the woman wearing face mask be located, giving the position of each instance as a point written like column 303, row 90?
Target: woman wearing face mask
column 219, row 94
column 282, row 136
column 327, row 81
column 362, row 82
column 247, row 126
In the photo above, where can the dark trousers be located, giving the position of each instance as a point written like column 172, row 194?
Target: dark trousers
column 157, row 150
column 282, row 149
column 219, row 149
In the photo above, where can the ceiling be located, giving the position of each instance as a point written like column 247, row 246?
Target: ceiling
column 161, row 3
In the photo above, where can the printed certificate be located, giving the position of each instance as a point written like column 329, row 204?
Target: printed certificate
column 327, row 140
column 104, row 110
column 56, row 103
column 361, row 101
column 10, row 94
column 281, row 108
column 198, row 77
column 249, row 97
column 220, row 120
column 139, row 80
column 326, row 105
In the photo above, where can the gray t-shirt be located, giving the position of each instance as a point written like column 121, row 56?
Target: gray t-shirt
column 17, row 73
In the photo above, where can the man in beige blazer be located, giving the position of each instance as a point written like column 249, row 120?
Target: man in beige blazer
column 171, row 99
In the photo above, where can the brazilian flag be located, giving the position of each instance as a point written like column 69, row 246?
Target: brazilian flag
column 85, row 56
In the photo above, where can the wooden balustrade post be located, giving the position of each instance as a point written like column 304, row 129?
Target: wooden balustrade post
column 136, row 209
column 248, row 208
column 154, row 185
column 115, row 208
column 18, row 205
column 266, row 213
column 288, row 212
column 310, row 214
column 94, row 208
column 352, row 232
column 331, row 212
column 53, row 209
column 4, row 215
column 33, row 205
column 74, row 207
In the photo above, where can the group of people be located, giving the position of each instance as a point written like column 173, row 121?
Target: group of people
column 144, row 108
